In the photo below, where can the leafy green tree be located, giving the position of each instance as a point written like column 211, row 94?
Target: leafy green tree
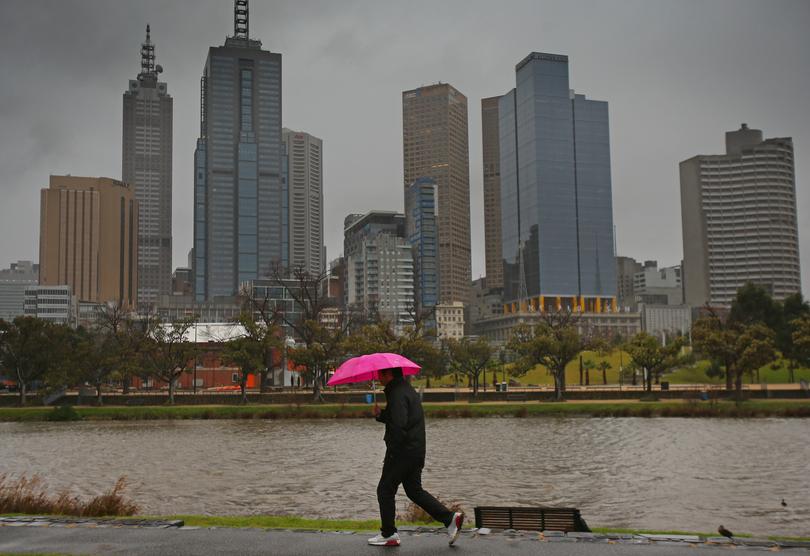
column 98, row 359
column 794, row 308
column 553, row 343
column 753, row 304
column 166, row 351
column 740, row 347
column 649, row 355
column 801, row 341
column 34, row 350
column 247, row 354
column 413, row 343
column 470, row 358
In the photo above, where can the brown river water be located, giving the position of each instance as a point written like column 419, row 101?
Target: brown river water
column 686, row 474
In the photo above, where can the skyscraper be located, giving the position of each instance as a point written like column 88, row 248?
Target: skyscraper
column 738, row 212
column 238, row 200
column 435, row 145
column 147, row 168
column 88, row 239
column 420, row 231
column 556, row 202
column 492, row 191
column 303, row 174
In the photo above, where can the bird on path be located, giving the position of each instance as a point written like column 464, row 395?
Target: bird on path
column 725, row 532
column 784, row 504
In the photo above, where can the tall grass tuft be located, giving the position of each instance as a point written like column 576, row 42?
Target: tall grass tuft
column 415, row 514
column 28, row 496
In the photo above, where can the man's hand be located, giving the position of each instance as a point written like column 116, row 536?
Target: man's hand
column 376, row 410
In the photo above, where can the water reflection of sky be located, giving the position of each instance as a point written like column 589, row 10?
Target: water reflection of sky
column 690, row 474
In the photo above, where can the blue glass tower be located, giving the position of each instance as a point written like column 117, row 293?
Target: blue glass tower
column 420, row 230
column 238, row 195
column 556, row 200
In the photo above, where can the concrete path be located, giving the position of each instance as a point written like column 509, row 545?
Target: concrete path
column 191, row 541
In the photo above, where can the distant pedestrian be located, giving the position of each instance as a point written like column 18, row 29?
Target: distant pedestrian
column 404, row 460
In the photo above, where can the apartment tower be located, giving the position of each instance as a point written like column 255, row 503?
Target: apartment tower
column 738, row 214
column 302, row 170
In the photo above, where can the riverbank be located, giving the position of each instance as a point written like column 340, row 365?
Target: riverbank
column 285, row 522
column 616, row 408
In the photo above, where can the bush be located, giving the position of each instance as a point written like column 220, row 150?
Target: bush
column 28, row 496
column 64, row 413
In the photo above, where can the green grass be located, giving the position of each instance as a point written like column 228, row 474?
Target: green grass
column 776, row 373
column 624, row 408
column 294, row 522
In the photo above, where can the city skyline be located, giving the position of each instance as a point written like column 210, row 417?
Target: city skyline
column 700, row 75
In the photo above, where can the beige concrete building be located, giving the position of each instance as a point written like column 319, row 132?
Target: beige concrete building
column 492, row 191
column 89, row 238
column 738, row 213
column 435, row 145
column 450, row 321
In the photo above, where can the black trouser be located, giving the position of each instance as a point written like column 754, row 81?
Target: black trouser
column 408, row 472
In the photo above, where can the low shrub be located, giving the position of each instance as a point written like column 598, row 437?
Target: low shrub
column 64, row 413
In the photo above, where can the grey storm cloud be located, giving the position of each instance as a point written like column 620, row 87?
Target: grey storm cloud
column 677, row 75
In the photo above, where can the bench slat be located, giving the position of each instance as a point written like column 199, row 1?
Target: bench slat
column 530, row 518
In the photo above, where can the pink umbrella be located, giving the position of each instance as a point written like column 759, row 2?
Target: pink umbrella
column 367, row 367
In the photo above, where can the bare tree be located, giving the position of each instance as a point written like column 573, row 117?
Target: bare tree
column 167, row 352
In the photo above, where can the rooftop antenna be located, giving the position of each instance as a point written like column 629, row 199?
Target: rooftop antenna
column 147, row 54
column 240, row 19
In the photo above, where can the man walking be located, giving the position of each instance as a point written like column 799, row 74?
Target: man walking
column 404, row 459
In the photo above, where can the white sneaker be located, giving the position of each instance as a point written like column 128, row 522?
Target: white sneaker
column 379, row 540
column 454, row 529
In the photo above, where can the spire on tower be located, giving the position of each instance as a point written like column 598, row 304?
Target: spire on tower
column 147, row 55
column 240, row 19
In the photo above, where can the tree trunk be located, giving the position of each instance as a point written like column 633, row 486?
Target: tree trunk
column 635, row 380
column 316, row 388
column 738, row 386
column 580, row 370
column 559, row 384
column 125, row 385
column 171, row 390
column 242, row 386
column 99, row 401
column 729, row 378
column 587, row 377
column 21, row 384
column 604, row 376
column 427, row 382
column 263, row 380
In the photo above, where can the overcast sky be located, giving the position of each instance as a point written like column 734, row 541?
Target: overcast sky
column 676, row 74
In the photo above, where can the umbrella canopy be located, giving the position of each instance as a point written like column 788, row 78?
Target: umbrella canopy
column 367, row 367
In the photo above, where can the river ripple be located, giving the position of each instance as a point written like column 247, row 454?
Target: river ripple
column 690, row 474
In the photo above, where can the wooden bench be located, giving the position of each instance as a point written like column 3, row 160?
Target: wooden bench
column 531, row 519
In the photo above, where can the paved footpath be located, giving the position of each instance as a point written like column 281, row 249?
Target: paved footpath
column 93, row 538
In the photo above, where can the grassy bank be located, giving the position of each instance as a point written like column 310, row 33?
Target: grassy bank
column 624, row 408
column 371, row 525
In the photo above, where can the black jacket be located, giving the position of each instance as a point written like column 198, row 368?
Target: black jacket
column 404, row 420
